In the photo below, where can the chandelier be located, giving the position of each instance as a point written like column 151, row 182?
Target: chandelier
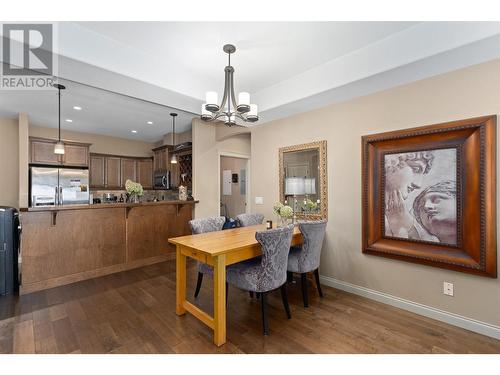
column 229, row 110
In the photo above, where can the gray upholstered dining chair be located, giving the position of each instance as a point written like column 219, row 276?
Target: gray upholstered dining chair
column 262, row 275
column 205, row 225
column 306, row 258
column 245, row 220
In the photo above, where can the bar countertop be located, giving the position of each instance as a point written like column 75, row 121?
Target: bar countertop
column 104, row 205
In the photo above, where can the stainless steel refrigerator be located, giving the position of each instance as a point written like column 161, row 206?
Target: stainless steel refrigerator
column 58, row 186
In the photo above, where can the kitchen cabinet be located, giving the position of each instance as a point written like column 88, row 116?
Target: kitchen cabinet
column 42, row 153
column 182, row 167
column 97, row 171
column 76, row 156
column 128, row 170
column 161, row 159
column 145, row 173
column 113, row 172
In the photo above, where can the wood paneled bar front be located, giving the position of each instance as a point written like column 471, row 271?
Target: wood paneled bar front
column 62, row 245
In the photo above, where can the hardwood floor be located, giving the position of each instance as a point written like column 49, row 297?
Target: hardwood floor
column 134, row 312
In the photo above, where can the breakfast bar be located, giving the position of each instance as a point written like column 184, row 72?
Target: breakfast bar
column 64, row 244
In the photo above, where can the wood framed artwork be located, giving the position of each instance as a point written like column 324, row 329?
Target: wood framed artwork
column 429, row 195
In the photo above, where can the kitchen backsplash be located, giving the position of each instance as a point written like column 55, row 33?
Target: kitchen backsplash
column 148, row 196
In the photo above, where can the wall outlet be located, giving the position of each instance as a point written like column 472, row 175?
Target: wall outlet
column 259, row 200
column 448, row 289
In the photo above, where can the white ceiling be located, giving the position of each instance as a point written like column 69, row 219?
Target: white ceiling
column 102, row 112
column 288, row 67
column 187, row 57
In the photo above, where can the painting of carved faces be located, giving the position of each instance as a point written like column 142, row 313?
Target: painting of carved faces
column 420, row 191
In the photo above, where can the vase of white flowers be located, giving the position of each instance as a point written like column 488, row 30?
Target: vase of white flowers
column 134, row 191
column 285, row 213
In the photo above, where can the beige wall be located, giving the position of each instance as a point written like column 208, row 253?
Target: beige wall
column 462, row 94
column 100, row 143
column 235, row 203
column 206, row 151
column 9, row 163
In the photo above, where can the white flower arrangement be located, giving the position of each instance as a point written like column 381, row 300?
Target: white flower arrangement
column 286, row 212
column 134, row 188
column 282, row 210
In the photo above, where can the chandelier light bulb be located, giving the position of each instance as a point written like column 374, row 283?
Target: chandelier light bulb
column 252, row 115
column 205, row 113
column 243, row 102
column 212, row 98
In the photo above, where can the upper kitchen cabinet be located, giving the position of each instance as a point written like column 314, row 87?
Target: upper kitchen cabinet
column 113, row 172
column 42, row 153
column 145, row 173
column 76, row 155
column 97, row 171
column 128, row 170
column 160, row 159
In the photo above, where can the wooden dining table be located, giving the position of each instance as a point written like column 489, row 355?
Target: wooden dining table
column 218, row 249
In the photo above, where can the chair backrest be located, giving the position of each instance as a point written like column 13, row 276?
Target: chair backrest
column 208, row 224
column 313, row 233
column 246, row 220
column 275, row 248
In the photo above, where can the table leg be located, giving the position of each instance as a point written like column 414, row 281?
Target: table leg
column 180, row 285
column 220, row 300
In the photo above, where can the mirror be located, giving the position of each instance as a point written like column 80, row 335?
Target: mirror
column 303, row 184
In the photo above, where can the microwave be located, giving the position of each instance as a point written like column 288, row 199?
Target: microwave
column 162, row 180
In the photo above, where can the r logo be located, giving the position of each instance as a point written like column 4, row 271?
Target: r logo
column 27, row 49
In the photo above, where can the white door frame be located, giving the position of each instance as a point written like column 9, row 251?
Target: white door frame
column 247, row 183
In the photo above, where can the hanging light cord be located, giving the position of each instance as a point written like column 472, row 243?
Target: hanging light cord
column 59, row 94
column 173, row 130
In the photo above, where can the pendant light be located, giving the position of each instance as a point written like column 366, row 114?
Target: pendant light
column 59, row 146
column 173, row 160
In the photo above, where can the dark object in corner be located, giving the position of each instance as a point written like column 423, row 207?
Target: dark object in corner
column 229, row 224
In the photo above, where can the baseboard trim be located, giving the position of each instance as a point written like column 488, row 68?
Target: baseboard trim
column 417, row 308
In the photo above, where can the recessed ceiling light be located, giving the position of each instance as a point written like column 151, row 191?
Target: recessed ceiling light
column 68, row 120
column 150, row 122
column 134, row 131
column 77, row 108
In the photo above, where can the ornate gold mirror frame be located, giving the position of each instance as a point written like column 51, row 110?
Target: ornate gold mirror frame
column 322, row 178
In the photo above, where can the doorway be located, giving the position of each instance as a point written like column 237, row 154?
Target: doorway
column 233, row 185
